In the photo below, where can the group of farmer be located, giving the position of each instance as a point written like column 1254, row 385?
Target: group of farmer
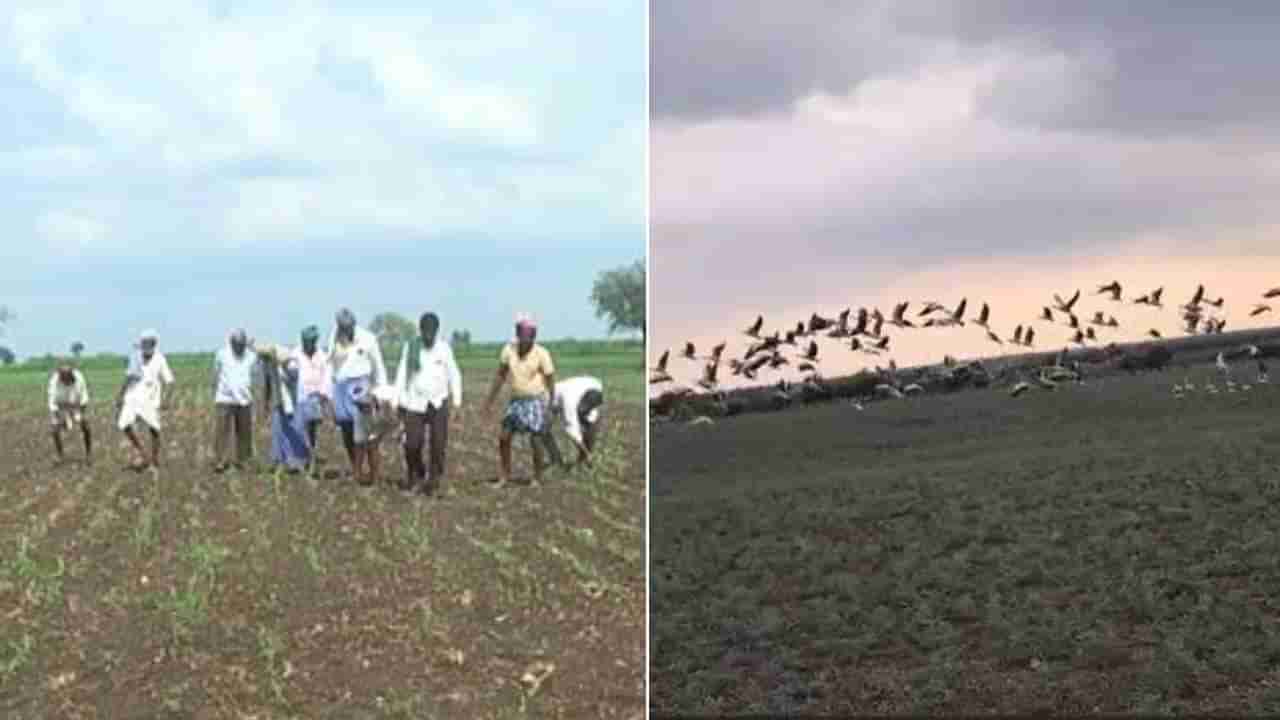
column 347, row 381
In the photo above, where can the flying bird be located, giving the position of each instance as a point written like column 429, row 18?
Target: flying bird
column 812, row 354
column 1155, row 333
column 716, row 352
column 899, row 315
column 1195, row 299
column 689, row 351
column 983, row 315
column 1066, row 305
column 708, row 380
column 1259, row 309
column 1113, row 288
column 754, row 330
column 1017, row 336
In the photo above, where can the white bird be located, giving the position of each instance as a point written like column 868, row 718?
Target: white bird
column 889, row 390
column 1020, row 388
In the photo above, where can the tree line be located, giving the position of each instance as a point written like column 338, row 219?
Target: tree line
column 618, row 295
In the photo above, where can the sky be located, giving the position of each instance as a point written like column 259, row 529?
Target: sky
column 197, row 166
column 816, row 156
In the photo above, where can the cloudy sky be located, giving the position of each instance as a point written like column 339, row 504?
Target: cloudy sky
column 814, row 156
column 192, row 166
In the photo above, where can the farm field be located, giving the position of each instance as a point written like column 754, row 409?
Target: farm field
column 187, row 594
column 1106, row 547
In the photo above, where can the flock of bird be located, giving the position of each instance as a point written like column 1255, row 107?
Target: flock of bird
column 868, row 332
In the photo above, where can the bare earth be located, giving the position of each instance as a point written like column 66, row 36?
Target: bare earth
column 185, row 594
column 1099, row 548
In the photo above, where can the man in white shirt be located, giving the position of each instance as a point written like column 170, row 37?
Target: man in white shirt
column 428, row 384
column 355, row 359
column 233, row 371
column 141, row 397
column 577, row 403
column 68, row 402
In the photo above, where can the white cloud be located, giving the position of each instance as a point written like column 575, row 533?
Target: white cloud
column 432, row 126
column 70, row 231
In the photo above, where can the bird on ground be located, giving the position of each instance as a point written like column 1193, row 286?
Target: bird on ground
column 1155, row 333
column 1020, row 388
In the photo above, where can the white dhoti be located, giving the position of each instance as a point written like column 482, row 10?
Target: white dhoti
column 139, row 406
column 66, row 417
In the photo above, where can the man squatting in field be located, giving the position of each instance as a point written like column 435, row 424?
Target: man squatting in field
column 428, row 387
column 532, row 374
column 141, row 396
column 233, row 368
column 68, row 403
column 577, row 403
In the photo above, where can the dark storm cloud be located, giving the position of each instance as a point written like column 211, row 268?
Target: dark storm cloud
column 1143, row 68
column 728, row 57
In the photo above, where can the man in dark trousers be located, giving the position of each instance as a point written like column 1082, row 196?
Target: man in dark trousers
column 428, row 386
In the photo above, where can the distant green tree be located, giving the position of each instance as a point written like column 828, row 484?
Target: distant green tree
column 6, row 317
column 619, row 295
column 392, row 327
column 6, row 356
column 460, row 339
column 77, row 347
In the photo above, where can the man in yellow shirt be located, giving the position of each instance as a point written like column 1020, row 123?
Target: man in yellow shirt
column 532, row 374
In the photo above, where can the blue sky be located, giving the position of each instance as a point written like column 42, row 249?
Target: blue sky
column 198, row 166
